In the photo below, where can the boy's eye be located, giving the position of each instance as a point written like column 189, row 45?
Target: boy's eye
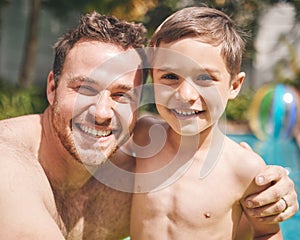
column 87, row 90
column 170, row 76
column 204, row 77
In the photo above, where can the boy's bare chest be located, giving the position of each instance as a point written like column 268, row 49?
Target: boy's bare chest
column 195, row 204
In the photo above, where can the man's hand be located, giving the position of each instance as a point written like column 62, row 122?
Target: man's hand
column 278, row 202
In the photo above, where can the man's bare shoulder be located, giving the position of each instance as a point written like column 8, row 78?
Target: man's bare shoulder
column 20, row 171
column 148, row 126
column 26, row 199
column 20, row 129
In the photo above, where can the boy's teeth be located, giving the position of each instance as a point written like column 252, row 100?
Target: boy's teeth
column 186, row 113
column 96, row 133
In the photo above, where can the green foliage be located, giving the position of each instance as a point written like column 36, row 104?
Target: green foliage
column 15, row 101
column 237, row 109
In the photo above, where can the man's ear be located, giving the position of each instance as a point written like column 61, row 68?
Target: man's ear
column 236, row 85
column 51, row 87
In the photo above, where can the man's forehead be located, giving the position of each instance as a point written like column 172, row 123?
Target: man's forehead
column 98, row 51
column 98, row 60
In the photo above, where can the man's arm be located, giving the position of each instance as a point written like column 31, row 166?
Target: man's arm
column 24, row 214
column 276, row 203
column 259, row 229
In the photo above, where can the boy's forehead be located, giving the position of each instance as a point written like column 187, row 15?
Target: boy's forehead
column 188, row 53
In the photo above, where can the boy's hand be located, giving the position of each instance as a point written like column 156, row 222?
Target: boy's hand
column 278, row 202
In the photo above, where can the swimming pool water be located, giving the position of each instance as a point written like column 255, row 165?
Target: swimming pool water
column 286, row 154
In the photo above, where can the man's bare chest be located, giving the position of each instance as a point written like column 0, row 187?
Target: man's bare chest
column 100, row 214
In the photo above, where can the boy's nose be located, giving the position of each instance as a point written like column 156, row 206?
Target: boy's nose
column 103, row 109
column 187, row 92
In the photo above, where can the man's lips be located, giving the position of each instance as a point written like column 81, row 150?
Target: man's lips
column 94, row 132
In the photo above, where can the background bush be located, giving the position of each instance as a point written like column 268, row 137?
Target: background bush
column 15, row 101
column 237, row 109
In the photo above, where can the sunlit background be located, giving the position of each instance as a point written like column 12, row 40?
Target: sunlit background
column 29, row 29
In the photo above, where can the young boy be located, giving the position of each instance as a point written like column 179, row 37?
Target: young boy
column 196, row 57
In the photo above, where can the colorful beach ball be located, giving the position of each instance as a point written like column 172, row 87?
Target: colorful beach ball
column 273, row 112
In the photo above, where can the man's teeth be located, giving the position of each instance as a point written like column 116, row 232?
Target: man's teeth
column 94, row 132
column 186, row 113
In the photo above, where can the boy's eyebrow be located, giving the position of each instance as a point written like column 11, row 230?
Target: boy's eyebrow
column 209, row 70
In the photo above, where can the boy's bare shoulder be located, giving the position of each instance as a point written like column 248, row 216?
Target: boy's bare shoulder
column 246, row 163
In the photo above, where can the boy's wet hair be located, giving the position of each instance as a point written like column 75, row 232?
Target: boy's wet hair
column 210, row 26
column 106, row 29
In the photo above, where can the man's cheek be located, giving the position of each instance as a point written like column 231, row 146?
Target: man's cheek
column 126, row 114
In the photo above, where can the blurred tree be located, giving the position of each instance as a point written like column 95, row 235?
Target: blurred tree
column 29, row 55
column 124, row 9
column 151, row 13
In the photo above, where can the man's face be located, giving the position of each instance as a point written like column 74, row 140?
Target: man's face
column 191, row 83
column 95, row 103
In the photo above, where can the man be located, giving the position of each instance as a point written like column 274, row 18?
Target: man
column 47, row 161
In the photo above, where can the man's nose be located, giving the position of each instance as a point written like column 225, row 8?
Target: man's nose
column 186, row 92
column 103, row 109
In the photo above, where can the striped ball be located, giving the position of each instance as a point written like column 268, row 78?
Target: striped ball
column 274, row 112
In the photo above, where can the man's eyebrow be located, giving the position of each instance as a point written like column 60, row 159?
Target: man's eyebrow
column 82, row 79
column 124, row 87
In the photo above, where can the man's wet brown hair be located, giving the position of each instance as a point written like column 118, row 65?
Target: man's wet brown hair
column 107, row 29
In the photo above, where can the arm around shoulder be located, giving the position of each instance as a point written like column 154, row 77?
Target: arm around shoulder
column 260, row 229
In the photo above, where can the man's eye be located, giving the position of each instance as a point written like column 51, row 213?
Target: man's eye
column 170, row 76
column 122, row 97
column 87, row 90
column 204, row 77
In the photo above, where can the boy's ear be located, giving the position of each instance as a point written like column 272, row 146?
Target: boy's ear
column 51, row 87
column 236, row 85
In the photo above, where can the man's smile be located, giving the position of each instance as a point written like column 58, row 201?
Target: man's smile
column 93, row 132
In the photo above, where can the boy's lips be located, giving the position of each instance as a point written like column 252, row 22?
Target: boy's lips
column 186, row 113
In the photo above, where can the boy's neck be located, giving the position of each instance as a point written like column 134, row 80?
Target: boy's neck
column 202, row 141
column 204, row 149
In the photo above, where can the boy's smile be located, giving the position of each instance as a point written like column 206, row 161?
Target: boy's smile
column 191, row 84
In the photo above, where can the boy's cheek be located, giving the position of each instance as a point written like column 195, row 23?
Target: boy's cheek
column 163, row 94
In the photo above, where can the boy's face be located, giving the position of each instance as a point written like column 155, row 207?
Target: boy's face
column 192, row 84
column 94, row 105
